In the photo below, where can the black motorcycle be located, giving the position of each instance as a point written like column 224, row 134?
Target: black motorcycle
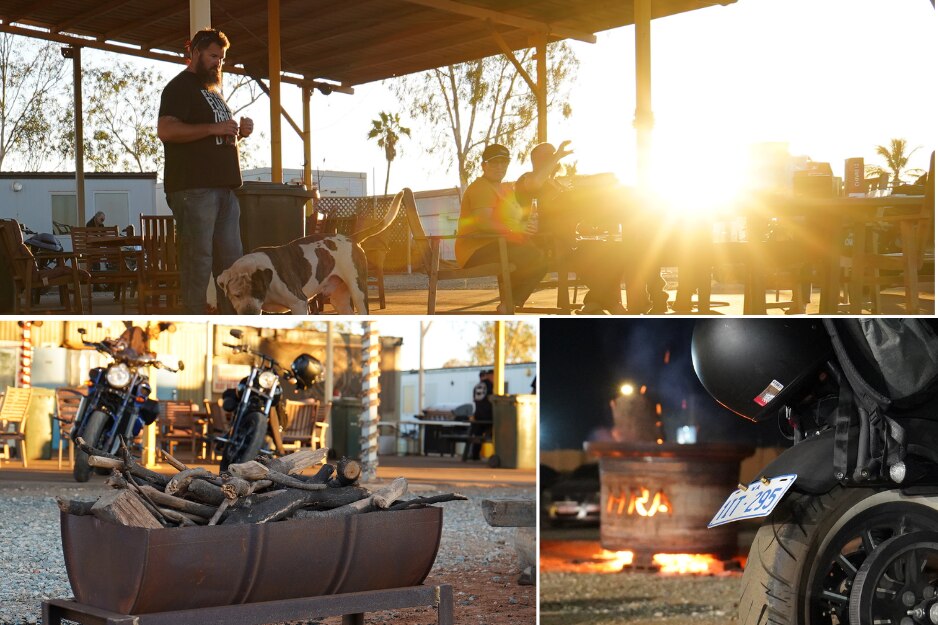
column 256, row 404
column 118, row 403
column 851, row 529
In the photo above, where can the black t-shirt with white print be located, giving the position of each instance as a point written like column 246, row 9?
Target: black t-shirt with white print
column 211, row 162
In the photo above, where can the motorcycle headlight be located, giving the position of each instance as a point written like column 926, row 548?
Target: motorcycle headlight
column 267, row 379
column 118, row 375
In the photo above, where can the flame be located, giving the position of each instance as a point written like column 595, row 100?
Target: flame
column 684, row 563
column 590, row 557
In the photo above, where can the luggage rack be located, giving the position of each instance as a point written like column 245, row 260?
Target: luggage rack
column 351, row 606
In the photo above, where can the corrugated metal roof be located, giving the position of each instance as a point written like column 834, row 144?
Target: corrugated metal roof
column 350, row 43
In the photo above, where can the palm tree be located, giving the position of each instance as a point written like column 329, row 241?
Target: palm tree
column 896, row 158
column 387, row 130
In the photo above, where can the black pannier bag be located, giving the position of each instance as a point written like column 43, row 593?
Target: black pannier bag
column 891, row 369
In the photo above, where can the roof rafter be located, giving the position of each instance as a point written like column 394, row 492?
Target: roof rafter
column 551, row 30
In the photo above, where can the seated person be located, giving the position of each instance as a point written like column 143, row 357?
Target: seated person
column 489, row 207
column 602, row 265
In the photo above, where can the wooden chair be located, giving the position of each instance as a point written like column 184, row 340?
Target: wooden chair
column 428, row 250
column 13, row 414
column 307, row 426
column 67, row 402
column 160, row 289
column 869, row 269
column 374, row 233
column 218, row 421
column 30, row 278
column 178, row 425
column 100, row 254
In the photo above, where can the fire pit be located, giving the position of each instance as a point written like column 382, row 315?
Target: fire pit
column 658, row 498
column 131, row 570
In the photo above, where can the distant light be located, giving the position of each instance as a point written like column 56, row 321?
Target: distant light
column 627, row 389
column 643, row 389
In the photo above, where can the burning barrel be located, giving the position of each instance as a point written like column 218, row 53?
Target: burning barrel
column 658, row 498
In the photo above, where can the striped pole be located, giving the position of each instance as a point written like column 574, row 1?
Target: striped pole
column 371, row 361
column 26, row 354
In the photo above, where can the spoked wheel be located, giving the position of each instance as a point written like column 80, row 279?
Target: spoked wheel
column 805, row 559
column 898, row 583
column 851, row 547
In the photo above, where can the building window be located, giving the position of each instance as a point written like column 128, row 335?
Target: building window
column 64, row 209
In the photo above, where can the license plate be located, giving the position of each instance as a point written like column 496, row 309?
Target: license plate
column 758, row 500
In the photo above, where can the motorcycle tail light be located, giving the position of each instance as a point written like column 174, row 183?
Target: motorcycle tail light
column 89, row 383
column 118, row 375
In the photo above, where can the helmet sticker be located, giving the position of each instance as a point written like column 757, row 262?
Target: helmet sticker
column 770, row 393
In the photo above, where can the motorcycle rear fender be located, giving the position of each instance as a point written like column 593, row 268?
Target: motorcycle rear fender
column 812, row 459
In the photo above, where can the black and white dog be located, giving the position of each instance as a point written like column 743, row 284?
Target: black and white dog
column 288, row 276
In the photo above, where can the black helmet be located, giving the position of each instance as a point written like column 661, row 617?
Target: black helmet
column 306, row 370
column 756, row 366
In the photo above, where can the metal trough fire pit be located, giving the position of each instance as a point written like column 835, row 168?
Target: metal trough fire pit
column 658, row 498
column 130, row 570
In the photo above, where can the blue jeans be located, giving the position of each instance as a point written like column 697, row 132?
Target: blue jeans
column 209, row 234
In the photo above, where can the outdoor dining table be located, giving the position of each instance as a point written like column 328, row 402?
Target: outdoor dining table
column 826, row 220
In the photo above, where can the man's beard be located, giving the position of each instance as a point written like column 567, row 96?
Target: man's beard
column 210, row 76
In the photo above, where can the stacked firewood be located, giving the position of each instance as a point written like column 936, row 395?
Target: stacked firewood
column 259, row 491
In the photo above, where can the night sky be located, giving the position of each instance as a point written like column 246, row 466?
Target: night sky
column 585, row 361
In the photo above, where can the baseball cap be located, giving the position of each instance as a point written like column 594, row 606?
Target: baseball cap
column 496, row 150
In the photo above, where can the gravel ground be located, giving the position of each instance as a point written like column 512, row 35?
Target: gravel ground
column 637, row 599
column 479, row 561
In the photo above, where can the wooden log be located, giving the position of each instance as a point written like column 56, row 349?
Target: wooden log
column 105, row 462
column 253, row 471
column 320, row 477
column 347, row 471
column 172, row 461
column 291, row 501
column 181, row 518
column 116, row 480
column 221, row 510
column 150, row 505
column 124, row 507
column 205, row 492
column 298, row 461
column 380, row 499
column 509, row 512
column 421, row 502
column 235, row 487
column 164, row 500
column 74, row 506
column 250, row 470
column 384, row 497
column 179, row 483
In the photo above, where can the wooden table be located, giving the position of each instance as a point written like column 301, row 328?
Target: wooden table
column 827, row 218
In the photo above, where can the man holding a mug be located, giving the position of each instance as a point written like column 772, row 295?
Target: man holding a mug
column 202, row 169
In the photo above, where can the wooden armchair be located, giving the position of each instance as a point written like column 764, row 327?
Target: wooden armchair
column 178, row 425
column 160, row 289
column 13, row 414
column 306, row 425
column 30, row 277
column 429, row 253
column 67, row 402
column 100, row 254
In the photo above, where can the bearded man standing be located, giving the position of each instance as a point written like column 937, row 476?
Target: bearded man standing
column 202, row 169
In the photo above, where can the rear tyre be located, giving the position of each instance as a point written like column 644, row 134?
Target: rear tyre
column 92, row 432
column 805, row 558
column 247, row 441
